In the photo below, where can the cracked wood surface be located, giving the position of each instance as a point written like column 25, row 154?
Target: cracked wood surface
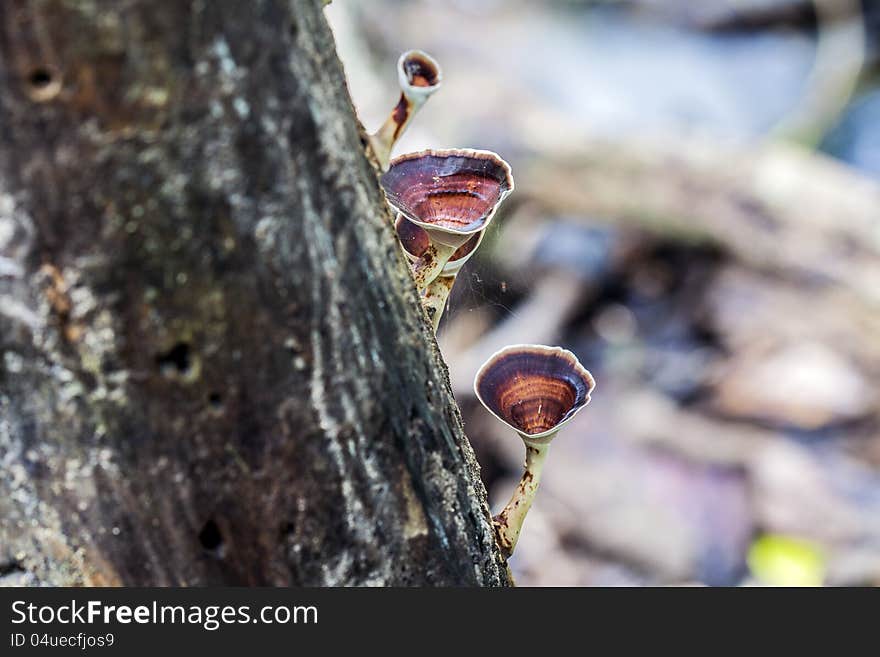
column 214, row 364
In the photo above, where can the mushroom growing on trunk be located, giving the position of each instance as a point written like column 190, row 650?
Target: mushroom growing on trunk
column 452, row 195
column 535, row 390
column 419, row 76
column 415, row 243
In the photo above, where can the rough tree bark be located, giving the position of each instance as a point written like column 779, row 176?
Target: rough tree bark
column 214, row 367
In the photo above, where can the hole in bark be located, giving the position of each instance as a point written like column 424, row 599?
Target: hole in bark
column 176, row 360
column 210, row 537
column 11, row 568
column 215, row 400
column 43, row 84
column 40, row 78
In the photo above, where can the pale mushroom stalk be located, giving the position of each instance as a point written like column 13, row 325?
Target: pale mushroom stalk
column 383, row 140
column 428, row 267
column 419, row 76
column 508, row 524
column 436, row 295
column 416, row 242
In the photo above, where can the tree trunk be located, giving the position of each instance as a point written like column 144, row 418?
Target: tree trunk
column 214, row 364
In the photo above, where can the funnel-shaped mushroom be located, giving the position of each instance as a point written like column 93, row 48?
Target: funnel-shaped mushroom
column 416, row 242
column 419, row 76
column 535, row 390
column 451, row 194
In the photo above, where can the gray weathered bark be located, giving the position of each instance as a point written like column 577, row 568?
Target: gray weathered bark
column 214, row 366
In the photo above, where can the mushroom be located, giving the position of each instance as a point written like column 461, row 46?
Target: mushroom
column 535, row 390
column 419, row 76
column 451, row 194
column 415, row 243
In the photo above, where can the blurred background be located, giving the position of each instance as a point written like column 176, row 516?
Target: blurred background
column 697, row 216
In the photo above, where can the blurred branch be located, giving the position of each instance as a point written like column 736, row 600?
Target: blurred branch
column 775, row 207
column 840, row 56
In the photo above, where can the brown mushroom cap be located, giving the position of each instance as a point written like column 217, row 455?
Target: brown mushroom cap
column 534, row 389
column 466, row 249
column 413, row 238
column 453, row 191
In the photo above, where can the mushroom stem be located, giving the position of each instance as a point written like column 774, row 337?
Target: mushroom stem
column 383, row 140
column 435, row 298
column 429, row 266
column 508, row 523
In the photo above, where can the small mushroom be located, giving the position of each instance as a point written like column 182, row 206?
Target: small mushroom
column 415, row 242
column 419, row 76
column 451, row 194
column 535, row 390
